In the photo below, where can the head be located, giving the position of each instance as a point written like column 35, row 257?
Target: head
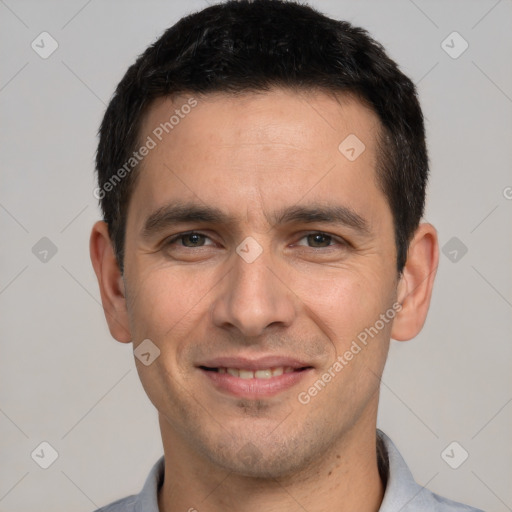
column 274, row 215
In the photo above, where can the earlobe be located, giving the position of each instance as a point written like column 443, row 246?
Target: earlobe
column 110, row 281
column 416, row 283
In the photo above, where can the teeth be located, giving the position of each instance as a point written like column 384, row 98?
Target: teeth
column 263, row 374
column 258, row 374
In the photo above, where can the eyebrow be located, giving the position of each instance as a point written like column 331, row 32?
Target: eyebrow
column 182, row 213
column 329, row 214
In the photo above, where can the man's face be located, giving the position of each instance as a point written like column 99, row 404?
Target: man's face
column 317, row 266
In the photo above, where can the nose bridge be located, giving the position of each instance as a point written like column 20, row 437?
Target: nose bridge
column 254, row 279
column 253, row 298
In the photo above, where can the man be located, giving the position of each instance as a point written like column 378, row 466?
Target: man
column 262, row 173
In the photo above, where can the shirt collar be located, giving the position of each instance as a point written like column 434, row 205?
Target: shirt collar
column 401, row 487
column 147, row 499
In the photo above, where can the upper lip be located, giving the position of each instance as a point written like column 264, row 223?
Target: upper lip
column 261, row 363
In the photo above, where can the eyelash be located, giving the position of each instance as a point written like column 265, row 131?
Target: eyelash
column 335, row 239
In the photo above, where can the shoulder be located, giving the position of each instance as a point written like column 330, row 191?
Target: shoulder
column 427, row 500
column 147, row 499
column 123, row 505
column 402, row 492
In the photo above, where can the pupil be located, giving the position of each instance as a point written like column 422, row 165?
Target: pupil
column 319, row 240
column 193, row 239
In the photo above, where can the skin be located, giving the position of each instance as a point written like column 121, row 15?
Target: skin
column 304, row 297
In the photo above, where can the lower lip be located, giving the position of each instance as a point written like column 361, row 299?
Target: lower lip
column 254, row 388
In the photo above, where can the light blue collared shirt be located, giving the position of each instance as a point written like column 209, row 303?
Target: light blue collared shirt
column 402, row 493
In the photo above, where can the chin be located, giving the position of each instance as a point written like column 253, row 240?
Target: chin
column 266, row 457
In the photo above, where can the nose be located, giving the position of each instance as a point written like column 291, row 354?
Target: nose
column 253, row 298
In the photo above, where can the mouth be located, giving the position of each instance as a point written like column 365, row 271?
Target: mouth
column 245, row 374
column 254, row 379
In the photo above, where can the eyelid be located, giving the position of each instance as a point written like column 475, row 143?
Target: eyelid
column 174, row 238
column 335, row 238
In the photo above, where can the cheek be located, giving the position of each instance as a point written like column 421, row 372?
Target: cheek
column 346, row 301
column 346, row 308
column 164, row 307
column 166, row 301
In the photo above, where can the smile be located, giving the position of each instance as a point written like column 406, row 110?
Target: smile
column 250, row 374
column 254, row 383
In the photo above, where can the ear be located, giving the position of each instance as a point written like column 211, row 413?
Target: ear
column 110, row 281
column 416, row 283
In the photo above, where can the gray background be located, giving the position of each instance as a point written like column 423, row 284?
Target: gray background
column 65, row 381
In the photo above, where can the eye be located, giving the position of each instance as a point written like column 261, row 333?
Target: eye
column 189, row 240
column 318, row 240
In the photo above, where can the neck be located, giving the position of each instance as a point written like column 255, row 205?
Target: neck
column 344, row 479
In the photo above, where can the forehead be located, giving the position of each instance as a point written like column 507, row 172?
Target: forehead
column 266, row 118
column 258, row 149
